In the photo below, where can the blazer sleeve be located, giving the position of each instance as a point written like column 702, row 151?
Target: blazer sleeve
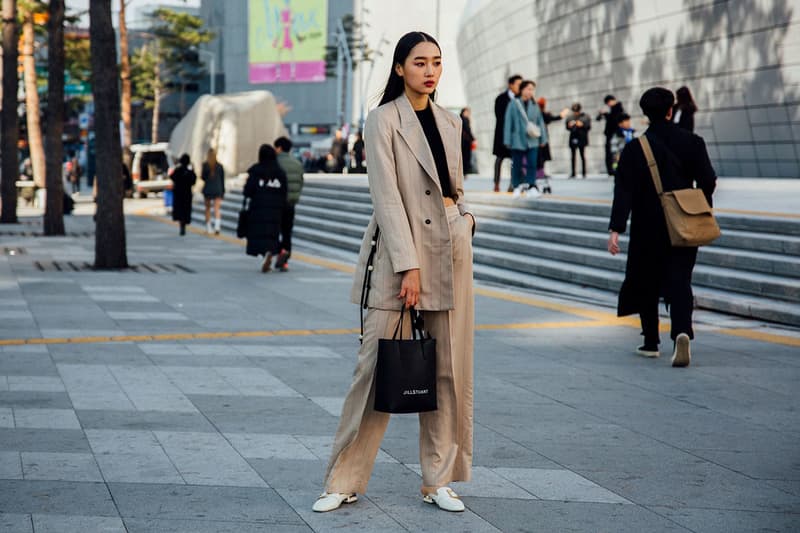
column 463, row 207
column 390, row 212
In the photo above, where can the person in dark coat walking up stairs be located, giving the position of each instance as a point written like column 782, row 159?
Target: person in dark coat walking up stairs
column 500, row 150
column 655, row 268
column 183, row 179
column 294, row 179
column 266, row 189
column 611, row 116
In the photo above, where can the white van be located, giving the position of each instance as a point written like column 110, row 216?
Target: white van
column 150, row 168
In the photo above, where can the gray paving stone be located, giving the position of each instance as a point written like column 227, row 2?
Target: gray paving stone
column 524, row 516
column 322, row 446
column 208, row 459
column 35, row 400
column 132, row 456
column 561, row 485
column 415, row 515
column 755, row 464
column 208, row 526
column 51, row 523
column 149, row 389
column 56, row 497
column 94, row 387
column 30, row 348
column 35, row 383
column 332, row 404
column 231, row 414
column 46, row 418
column 122, row 316
column 188, row 502
column 731, row 521
column 60, row 466
column 26, row 363
column 362, row 515
column 267, row 446
column 15, row 523
column 43, row 440
column 10, row 465
column 6, row 417
column 295, row 474
column 144, row 420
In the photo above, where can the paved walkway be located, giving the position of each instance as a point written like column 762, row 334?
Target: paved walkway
column 205, row 399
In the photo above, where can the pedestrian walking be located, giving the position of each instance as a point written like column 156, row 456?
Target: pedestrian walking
column 358, row 154
column 183, row 179
column 499, row 149
column 611, row 115
column 684, row 110
column 524, row 132
column 621, row 139
column 422, row 258
column 75, row 172
column 544, row 154
column 294, row 180
column 655, row 268
column 337, row 153
column 466, row 141
column 266, row 192
column 578, row 123
column 213, row 176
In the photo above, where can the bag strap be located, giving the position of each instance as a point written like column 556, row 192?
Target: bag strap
column 651, row 163
column 522, row 110
column 367, row 280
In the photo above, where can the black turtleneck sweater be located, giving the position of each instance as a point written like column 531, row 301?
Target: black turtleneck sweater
column 434, row 138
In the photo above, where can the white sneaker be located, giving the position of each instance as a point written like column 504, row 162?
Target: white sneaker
column 682, row 355
column 533, row 192
column 329, row 502
column 446, row 499
column 517, row 191
column 208, row 227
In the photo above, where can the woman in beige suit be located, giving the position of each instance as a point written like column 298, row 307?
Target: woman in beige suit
column 423, row 258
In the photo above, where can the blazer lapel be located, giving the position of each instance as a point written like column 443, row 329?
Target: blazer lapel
column 452, row 146
column 411, row 131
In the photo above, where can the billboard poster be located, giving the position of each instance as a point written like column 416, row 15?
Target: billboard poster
column 286, row 40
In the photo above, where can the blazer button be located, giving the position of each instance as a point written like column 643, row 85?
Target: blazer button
column 427, row 221
column 428, row 192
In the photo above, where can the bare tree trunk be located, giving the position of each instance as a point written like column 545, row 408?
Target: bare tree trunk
column 54, row 208
column 156, row 105
column 109, row 250
column 125, row 75
column 32, row 109
column 10, row 124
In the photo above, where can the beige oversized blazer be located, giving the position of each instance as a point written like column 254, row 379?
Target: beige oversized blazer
column 409, row 207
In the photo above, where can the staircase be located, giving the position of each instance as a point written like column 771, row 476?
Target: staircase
column 753, row 270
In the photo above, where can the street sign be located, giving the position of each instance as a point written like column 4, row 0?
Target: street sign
column 78, row 88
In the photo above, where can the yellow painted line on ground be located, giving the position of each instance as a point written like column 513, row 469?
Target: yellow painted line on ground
column 597, row 318
column 762, row 336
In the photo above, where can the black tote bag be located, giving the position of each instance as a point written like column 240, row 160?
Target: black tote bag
column 241, row 223
column 405, row 376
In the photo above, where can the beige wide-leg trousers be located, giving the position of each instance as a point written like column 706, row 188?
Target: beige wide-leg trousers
column 445, row 435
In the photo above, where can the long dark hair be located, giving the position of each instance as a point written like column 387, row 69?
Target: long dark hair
column 395, row 86
column 684, row 100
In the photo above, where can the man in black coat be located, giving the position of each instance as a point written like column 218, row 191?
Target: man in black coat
column 655, row 268
column 500, row 103
column 611, row 117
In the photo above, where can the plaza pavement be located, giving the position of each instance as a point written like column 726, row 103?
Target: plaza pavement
column 207, row 400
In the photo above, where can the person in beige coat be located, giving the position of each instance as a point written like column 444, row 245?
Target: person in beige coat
column 423, row 258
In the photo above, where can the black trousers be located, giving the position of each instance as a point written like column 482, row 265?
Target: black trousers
column 609, row 158
column 287, row 223
column 582, row 150
column 678, row 279
column 498, row 164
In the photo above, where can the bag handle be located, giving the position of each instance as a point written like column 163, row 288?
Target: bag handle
column 651, row 163
column 522, row 110
column 367, row 280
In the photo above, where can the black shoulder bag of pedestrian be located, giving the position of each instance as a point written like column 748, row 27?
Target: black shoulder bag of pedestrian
column 405, row 373
column 241, row 224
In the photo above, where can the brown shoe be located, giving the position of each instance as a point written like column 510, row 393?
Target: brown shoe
column 496, row 187
column 266, row 266
column 283, row 258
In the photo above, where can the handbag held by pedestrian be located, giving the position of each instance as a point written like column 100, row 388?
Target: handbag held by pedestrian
column 690, row 220
column 405, row 375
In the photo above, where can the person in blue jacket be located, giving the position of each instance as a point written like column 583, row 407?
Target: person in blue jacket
column 523, row 133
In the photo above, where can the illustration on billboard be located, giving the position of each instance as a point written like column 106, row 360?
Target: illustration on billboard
column 287, row 40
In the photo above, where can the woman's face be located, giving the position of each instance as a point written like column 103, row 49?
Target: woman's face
column 422, row 68
column 527, row 92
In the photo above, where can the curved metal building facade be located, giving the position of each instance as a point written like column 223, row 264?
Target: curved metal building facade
column 740, row 58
